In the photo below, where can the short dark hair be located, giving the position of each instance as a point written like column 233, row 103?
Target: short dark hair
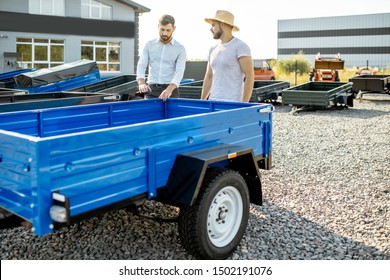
column 167, row 19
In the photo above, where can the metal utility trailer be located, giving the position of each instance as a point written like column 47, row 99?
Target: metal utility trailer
column 125, row 87
column 23, row 102
column 192, row 90
column 370, row 84
column 262, row 90
column 61, row 164
column 318, row 95
column 268, row 91
column 7, row 78
column 59, row 78
column 11, row 91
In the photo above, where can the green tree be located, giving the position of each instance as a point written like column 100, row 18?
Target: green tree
column 297, row 64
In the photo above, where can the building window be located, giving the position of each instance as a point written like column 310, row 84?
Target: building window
column 47, row 7
column 95, row 9
column 40, row 53
column 106, row 54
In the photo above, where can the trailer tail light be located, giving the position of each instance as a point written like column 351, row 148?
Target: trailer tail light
column 59, row 211
column 58, row 214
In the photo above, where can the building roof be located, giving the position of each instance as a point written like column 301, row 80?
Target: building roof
column 137, row 7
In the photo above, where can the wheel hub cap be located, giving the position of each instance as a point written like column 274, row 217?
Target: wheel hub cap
column 224, row 216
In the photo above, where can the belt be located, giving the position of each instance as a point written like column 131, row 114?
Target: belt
column 158, row 85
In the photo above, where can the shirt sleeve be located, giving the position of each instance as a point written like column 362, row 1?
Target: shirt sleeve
column 243, row 50
column 180, row 67
column 143, row 62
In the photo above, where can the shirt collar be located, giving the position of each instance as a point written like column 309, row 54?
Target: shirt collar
column 172, row 42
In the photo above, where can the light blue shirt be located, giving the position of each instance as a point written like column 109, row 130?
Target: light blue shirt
column 167, row 62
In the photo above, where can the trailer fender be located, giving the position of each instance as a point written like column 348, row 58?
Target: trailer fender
column 189, row 169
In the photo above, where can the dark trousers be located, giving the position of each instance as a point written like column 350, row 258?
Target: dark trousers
column 157, row 89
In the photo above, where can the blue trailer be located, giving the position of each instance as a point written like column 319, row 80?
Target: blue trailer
column 7, row 78
column 58, row 165
column 59, row 78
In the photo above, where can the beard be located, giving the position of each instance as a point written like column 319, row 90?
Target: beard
column 218, row 34
column 165, row 38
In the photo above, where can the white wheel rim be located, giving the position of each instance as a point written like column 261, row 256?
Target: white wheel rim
column 224, row 216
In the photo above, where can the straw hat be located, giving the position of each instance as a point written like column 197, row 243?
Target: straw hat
column 225, row 17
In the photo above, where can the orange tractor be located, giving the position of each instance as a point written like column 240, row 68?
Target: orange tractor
column 325, row 69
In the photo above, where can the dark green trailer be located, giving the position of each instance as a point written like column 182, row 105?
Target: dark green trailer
column 262, row 90
column 318, row 95
column 268, row 90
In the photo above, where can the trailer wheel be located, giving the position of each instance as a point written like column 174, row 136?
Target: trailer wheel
column 214, row 225
column 8, row 219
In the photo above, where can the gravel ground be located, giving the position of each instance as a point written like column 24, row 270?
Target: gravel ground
column 327, row 197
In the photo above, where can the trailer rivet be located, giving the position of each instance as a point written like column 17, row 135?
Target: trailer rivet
column 32, row 205
column 68, row 167
column 51, row 226
column 231, row 130
column 27, row 168
column 190, row 140
column 136, row 152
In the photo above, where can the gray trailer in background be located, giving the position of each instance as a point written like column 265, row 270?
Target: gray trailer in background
column 263, row 91
column 370, row 84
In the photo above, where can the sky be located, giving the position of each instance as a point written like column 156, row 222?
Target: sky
column 257, row 20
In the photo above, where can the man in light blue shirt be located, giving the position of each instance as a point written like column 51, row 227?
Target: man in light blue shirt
column 166, row 58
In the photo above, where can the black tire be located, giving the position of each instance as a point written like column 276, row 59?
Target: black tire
column 337, row 79
column 213, row 227
column 9, row 220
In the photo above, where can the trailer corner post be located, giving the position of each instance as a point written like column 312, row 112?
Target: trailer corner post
column 152, row 190
column 41, row 192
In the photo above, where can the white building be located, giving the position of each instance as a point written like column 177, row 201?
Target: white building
column 46, row 33
column 358, row 39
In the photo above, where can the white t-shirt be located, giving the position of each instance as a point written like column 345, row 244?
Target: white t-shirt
column 228, row 78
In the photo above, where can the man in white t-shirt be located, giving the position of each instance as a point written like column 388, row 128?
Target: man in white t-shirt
column 229, row 75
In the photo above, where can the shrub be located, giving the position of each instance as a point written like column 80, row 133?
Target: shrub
column 296, row 64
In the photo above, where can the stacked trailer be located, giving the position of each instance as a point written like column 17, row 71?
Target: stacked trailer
column 11, row 92
column 59, row 78
column 14, row 102
column 124, row 87
column 7, row 79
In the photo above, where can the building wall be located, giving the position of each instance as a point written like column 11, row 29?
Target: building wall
column 71, row 28
column 19, row 6
column 358, row 38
